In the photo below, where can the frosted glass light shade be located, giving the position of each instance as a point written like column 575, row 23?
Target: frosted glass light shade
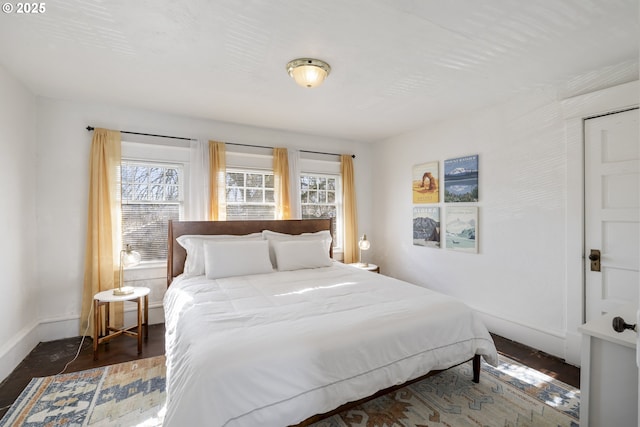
column 364, row 244
column 308, row 72
column 130, row 258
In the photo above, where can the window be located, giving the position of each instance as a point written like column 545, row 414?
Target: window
column 321, row 197
column 250, row 194
column 152, row 194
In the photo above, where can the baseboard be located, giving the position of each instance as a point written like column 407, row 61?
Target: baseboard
column 16, row 349
column 574, row 347
column 551, row 342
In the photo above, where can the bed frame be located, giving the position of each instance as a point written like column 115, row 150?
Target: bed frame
column 177, row 256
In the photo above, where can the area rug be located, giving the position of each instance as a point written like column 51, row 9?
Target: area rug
column 133, row 394
column 127, row 394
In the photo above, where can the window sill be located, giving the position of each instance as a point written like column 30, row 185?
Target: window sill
column 147, row 265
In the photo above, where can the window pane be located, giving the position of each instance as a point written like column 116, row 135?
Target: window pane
column 235, row 179
column 269, row 196
column 304, row 182
column 322, row 197
column 127, row 173
column 172, row 193
column 254, row 180
column 171, row 176
column 331, row 184
column 331, row 196
column 141, row 174
column 322, row 184
column 157, row 192
column 268, row 181
column 235, row 195
column 156, row 175
column 127, row 191
column 140, row 192
column 254, row 195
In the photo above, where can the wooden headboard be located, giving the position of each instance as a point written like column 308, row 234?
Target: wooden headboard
column 177, row 255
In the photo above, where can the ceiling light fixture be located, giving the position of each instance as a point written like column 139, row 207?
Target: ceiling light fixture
column 308, row 72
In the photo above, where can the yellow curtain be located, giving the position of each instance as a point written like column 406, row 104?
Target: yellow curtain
column 104, row 238
column 281, row 183
column 349, row 207
column 217, row 181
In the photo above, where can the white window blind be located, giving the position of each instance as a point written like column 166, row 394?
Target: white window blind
column 152, row 194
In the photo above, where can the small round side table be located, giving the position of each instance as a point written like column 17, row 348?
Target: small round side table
column 140, row 296
column 368, row 267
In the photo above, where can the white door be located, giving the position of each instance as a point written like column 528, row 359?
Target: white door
column 612, row 201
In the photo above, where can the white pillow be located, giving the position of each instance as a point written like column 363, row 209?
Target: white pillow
column 323, row 236
column 194, row 245
column 226, row 258
column 299, row 254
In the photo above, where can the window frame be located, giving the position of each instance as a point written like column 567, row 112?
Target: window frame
column 163, row 155
column 246, row 171
column 338, row 233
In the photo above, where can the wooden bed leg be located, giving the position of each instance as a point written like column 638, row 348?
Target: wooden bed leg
column 476, row 368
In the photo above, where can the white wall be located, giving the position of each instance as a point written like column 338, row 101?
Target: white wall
column 518, row 280
column 63, row 188
column 18, row 254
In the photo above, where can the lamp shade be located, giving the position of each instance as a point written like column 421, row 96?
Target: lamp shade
column 130, row 258
column 364, row 244
column 308, row 72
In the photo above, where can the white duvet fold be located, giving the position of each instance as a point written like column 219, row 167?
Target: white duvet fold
column 274, row 349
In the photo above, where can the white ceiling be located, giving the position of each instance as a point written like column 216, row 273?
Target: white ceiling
column 396, row 64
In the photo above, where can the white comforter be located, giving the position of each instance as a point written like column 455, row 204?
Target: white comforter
column 275, row 349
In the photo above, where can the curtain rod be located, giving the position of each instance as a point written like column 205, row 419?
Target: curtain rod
column 90, row 128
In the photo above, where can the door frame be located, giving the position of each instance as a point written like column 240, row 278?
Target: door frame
column 575, row 111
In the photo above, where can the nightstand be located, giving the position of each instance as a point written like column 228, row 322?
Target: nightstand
column 140, row 296
column 369, row 267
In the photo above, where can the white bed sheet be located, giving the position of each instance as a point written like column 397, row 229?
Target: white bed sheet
column 274, row 349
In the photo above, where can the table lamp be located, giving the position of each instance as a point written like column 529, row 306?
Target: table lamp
column 364, row 245
column 128, row 258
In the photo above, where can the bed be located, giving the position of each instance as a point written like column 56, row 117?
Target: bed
column 248, row 344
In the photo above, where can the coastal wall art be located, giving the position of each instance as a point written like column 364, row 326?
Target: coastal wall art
column 462, row 228
column 426, row 226
column 461, row 179
column 425, row 183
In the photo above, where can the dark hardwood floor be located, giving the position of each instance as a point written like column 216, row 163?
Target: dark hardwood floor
column 49, row 358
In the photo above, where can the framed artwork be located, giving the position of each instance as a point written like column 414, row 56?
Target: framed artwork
column 426, row 226
column 461, row 179
column 425, row 183
column 462, row 228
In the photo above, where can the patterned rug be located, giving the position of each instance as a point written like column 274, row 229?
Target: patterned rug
column 132, row 394
column 127, row 394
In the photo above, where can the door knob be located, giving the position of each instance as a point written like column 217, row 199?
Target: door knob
column 619, row 325
column 594, row 257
